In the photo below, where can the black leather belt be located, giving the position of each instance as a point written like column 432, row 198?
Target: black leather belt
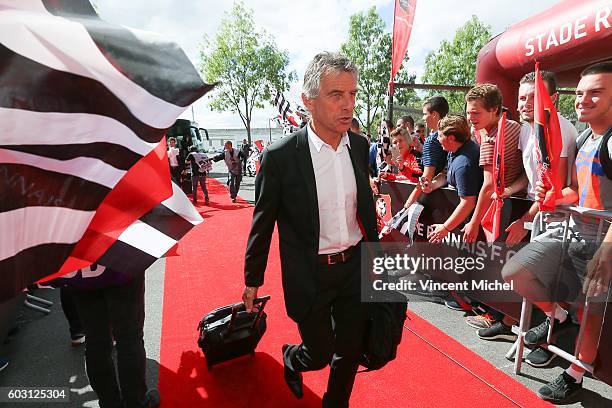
column 339, row 257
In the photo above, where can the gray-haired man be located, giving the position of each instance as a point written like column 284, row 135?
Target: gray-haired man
column 314, row 185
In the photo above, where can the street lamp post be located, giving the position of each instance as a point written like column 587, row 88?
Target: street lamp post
column 270, row 129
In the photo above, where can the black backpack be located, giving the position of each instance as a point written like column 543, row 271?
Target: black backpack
column 604, row 153
column 384, row 331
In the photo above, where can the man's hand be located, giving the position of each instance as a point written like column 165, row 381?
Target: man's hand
column 438, row 233
column 540, row 191
column 399, row 163
column 248, row 296
column 470, row 231
column 408, row 203
column 503, row 195
column 426, row 185
column 516, row 232
column 599, row 272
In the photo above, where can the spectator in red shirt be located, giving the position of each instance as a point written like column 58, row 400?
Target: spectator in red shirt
column 406, row 163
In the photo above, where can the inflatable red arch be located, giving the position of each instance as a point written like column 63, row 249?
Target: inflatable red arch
column 564, row 39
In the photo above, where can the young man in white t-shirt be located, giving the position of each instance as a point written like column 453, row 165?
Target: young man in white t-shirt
column 516, row 230
column 173, row 160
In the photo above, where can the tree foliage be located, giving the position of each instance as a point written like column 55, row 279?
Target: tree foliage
column 247, row 64
column 566, row 107
column 406, row 97
column 369, row 47
column 454, row 62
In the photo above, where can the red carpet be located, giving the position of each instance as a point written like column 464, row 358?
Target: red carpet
column 208, row 273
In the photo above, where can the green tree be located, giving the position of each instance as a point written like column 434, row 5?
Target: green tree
column 407, row 97
column 454, row 63
column 565, row 106
column 369, row 47
column 247, row 64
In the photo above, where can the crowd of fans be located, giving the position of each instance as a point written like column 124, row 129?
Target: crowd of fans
column 459, row 153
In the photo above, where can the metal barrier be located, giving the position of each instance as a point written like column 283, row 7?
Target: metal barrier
column 34, row 306
column 517, row 349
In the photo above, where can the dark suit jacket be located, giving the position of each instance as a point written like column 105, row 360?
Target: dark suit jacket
column 286, row 194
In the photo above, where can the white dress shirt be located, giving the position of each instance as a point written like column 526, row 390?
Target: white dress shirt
column 336, row 194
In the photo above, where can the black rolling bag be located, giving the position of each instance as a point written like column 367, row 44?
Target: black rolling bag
column 229, row 331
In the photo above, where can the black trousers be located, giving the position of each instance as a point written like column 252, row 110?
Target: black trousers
column 70, row 311
column 175, row 174
column 115, row 311
column 332, row 332
column 195, row 178
column 234, row 184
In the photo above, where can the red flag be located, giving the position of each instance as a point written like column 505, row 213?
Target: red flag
column 402, row 27
column 292, row 120
column 259, row 144
column 491, row 220
column 548, row 142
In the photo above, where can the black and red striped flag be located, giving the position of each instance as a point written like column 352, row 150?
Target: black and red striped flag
column 260, row 145
column 548, row 142
column 141, row 244
column 284, row 108
column 83, row 108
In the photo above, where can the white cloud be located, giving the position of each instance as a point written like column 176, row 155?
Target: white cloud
column 304, row 28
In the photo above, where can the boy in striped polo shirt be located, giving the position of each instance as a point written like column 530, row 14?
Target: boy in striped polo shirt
column 484, row 108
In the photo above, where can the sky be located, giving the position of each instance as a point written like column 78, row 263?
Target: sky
column 305, row 28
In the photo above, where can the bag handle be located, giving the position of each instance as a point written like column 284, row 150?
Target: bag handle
column 239, row 307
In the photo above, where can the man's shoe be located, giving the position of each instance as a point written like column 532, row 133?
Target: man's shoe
column 233, row 200
column 537, row 335
column 77, row 339
column 206, row 201
column 4, row 362
column 293, row 378
column 452, row 304
column 483, row 321
column 539, row 357
column 152, row 399
column 499, row 331
column 560, row 389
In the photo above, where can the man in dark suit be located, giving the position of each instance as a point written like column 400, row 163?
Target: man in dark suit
column 314, row 184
